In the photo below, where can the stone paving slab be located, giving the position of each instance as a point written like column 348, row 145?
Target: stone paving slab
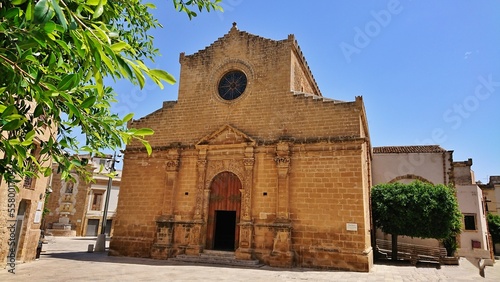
column 66, row 259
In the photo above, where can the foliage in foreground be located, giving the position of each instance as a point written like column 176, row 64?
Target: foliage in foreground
column 54, row 55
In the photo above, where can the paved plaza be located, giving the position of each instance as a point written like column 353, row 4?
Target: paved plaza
column 67, row 259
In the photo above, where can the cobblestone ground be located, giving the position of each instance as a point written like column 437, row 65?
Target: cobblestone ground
column 66, row 259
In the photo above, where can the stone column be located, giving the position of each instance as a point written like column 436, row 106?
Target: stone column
column 283, row 164
column 282, row 254
column 162, row 245
column 201, row 167
column 244, row 250
column 171, row 181
column 195, row 237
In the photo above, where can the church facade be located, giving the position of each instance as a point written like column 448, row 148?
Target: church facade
column 250, row 159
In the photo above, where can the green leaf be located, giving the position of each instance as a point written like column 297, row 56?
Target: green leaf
column 14, row 142
column 30, row 135
column 73, row 110
column 10, row 109
column 12, row 125
column 144, row 132
column 72, row 24
column 128, row 117
column 89, row 102
column 68, row 82
column 60, row 14
column 99, row 82
column 12, row 13
column 119, row 46
column 18, row 2
column 49, row 27
column 148, row 147
column 47, row 172
column 93, row 2
column 124, row 68
column 98, row 10
column 161, row 74
column 26, row 143
column 29, row 11
column 43, row 12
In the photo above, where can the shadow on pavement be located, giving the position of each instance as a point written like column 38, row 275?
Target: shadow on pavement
column 104, row 257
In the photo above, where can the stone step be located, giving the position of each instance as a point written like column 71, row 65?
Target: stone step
column 214, row 253
column 217, row 257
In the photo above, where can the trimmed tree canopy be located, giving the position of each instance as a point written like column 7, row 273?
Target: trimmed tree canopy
column 494, row 226
column 417, row 209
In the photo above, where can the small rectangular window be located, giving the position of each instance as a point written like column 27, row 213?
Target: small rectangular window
column 470, row 221
column 28, row 183
column 97, row 200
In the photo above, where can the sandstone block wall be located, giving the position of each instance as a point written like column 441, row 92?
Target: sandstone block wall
column 304, row 162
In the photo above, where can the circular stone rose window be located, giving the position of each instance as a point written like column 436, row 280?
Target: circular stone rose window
column 232, row 85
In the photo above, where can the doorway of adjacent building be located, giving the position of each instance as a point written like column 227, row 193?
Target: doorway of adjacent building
column 92, row 227
column 19, row 236
column 224, row 212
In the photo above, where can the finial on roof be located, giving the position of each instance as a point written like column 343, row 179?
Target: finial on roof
column 234, row 29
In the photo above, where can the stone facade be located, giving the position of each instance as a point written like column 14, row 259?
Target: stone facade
column 76, row 208
column 24, row 210
column 28, row 214
column 300, row 164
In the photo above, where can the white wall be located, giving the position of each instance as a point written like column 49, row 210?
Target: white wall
column 429, row 166
column 470, row 202
column 386, row 167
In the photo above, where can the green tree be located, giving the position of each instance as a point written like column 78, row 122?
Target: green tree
column 494, row 227
column 54, row 55
column 417, row 209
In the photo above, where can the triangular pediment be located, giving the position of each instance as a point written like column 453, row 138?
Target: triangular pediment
column 226, row 135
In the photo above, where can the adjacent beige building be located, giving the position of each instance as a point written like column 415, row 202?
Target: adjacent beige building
column 21, row 212
column 251, row 159
column 76, row 208
column 475, row 240
column 22, row 221
column 433, row 164
column 491, row 192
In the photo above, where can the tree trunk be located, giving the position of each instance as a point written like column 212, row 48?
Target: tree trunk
column 394, row 238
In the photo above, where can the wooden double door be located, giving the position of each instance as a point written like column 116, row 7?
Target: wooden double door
column 224, row 212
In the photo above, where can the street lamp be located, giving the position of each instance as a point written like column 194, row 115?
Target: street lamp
column 100, row 245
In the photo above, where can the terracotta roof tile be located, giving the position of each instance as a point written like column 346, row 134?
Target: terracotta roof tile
column 408, row 149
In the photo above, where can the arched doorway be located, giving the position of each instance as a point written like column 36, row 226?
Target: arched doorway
column 224, row 212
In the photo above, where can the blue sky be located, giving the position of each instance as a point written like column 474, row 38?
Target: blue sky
column 428, row 71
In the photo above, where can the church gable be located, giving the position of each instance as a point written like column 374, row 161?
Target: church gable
column 224, row 136
column 302, row 77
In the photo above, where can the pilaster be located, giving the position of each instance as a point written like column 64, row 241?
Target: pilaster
column 282, row 160
column 201, row 167
column 162, row 245
column 244, row 250
column 282, row 254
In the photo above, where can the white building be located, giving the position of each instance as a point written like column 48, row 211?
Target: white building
column 433, row 164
